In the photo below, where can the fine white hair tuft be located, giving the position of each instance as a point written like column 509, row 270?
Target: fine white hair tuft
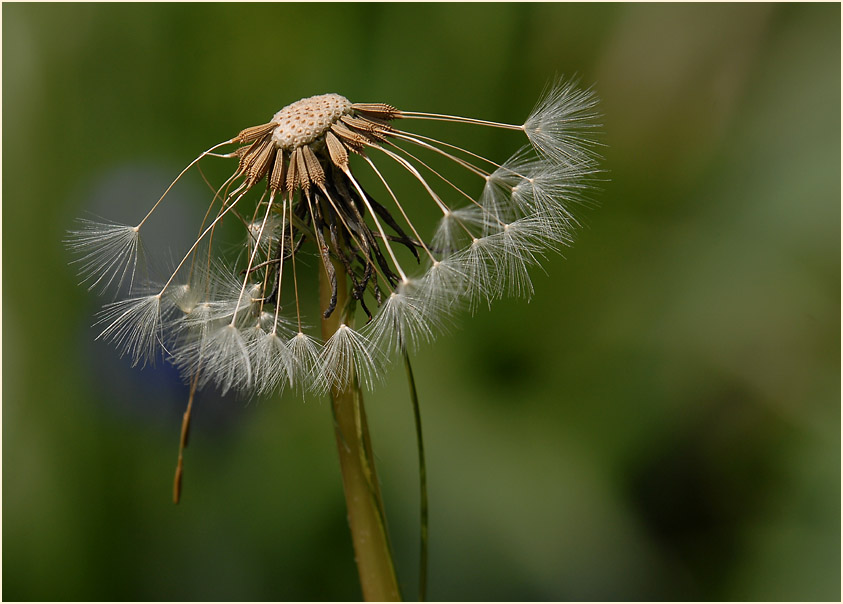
column 563, row 124
column 107, row 253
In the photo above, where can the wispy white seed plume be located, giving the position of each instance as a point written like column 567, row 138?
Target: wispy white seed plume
column 459, row 227
column 226, row 361
column 347, row 354
column 521, row 247
column 191, row 336
column 478, row 262
column 107, row 253
column 305, row 363
column 404, row 320
column 272, row 363
column 135, row 327
column 443, row 286
column 267, row 234
column 563, row 124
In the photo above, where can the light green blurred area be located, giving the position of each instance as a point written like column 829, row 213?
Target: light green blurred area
column 661, row 421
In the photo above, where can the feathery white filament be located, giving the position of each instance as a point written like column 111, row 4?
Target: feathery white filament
column 479, row 262
column 226, row 360
column 305, row 362
column 108, row 253
column 458, row 228
column 134, row 326
column 404, row 320
column 272, row 362
column 562, row 125
column 252, row 258
column 442, row 286
column 519, row 250
column 348, row 353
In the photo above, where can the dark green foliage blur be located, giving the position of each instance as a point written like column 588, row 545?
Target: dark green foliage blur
column 661, row 421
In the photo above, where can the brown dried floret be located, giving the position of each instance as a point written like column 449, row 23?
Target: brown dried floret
column 369, row 128
column 276, row 179
column 253, row 133
column 314, row 169
column 379, row 110
column 260, row 165
column 337, row 151
column 352, row 140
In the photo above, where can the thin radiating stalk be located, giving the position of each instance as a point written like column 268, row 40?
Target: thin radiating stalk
column 422, row 479
column 366, row 517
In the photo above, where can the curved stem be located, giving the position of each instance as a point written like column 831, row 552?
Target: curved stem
column 366, row 517
column 185, row 433
column 423, row 508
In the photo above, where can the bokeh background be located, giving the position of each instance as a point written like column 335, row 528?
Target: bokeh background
column 661, row 421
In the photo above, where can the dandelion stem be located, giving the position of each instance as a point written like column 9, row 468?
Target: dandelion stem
column 366, row 517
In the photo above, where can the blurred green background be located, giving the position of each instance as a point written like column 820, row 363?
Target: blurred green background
column 661, row 421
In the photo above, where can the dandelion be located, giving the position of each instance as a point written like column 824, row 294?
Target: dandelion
column 243, row 327
column 326, row 204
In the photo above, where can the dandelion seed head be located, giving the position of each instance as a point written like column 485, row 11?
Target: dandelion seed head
column 304, row 121
column 234, row 311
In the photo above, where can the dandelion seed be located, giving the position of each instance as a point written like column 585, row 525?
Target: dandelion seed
column 191, row 335
column 479, row 262
column 443, row 286
column 273, row 362
column 135, row 326
column 226, row 360
column 563, row 124
column 348, row 353
column 305, row 363
column 265, row 235
column 528, row 186
column 404, row 320
column 521, row 245
column 240, row 322
column 107, row 253
column 457, row 227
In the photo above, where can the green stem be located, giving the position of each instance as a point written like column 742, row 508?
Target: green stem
column 366, row 517
column 422, row 480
